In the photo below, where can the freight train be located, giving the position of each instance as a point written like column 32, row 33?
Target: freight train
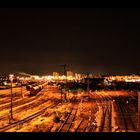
column 35, row 89
column 30, row 85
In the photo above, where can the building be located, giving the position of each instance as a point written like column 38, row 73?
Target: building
column 55, row 74
column 69, row 73
column 3, row 78
column 90, row 75
column 78, row 76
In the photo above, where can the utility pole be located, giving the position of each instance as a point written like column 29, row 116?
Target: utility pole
column 138, row 109
column 11, row 110
column 64, row 73
column 21, row 90
column 64, row 70
column 87, row 82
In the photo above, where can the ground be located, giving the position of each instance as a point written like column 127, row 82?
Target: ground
column 88, row 108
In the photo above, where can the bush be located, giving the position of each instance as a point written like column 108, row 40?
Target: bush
column 56, row 119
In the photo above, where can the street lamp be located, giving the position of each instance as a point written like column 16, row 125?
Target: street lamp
column 138, row 109
column 11, row 79
column 87, row 82
column 21, row 89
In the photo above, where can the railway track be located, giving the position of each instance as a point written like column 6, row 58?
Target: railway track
column 14, row 124
column 20, row 102
column 88, row 125
column 66, row 125
column 135, row 105
column 7, row 94
column 26, row 107
column 7, row 100
column 110, row 117
column 106, row 116
column 125, row 117
column 131, row 125
column 28, row 101
column 15, row 96
column 103, row 119
column 107, row 125
column 68, row 121
column 82, row 126
column 128, row 115
column 92, row 126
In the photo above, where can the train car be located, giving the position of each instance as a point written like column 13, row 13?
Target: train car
column 40, row 87
column 34, row 90
column 44, row 84
column 28, row 87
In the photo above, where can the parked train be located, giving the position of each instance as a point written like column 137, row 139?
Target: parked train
column 35, row 89
column 30, row 85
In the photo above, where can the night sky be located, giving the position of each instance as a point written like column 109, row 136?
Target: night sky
column 100, row 41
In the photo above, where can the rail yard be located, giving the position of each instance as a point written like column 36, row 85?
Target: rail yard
column 46, row 109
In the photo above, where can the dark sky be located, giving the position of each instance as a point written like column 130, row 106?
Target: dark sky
column 101, row 41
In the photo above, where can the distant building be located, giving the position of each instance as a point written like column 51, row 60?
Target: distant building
column 55, row 74
column 4, row 78
column 69, row 73
column 90, row 75
column 78, row 76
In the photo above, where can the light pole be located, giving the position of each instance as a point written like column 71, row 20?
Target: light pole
column 87, row 82
column 21, row 90
column 11, row 111
column 138, row 109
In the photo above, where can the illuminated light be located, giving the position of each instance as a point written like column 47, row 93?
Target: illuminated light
column 131, row 80
column 70, row 78
column 5, row 83
column 61, row 77
column 49, row 77
column 64, row 76
column 11, row 77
